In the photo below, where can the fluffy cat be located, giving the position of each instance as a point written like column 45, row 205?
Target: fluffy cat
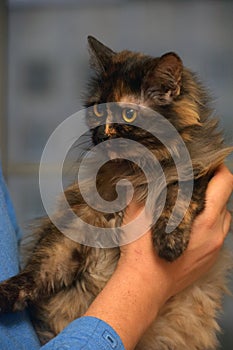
column 62, row 277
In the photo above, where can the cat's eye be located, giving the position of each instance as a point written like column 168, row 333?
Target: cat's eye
column 129, row 114
column 98, row 110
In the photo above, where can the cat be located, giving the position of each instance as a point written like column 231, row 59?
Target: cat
column 62, row 277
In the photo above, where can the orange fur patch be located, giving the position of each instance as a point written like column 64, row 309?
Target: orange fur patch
column 187, row 110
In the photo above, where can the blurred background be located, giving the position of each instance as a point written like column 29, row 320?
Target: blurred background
column 44, row 69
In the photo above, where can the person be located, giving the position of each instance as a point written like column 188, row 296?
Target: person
column 122, row 312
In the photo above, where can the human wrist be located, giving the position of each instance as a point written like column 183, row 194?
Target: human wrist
column 151, row 273
column 130, row 301
column 136, row 304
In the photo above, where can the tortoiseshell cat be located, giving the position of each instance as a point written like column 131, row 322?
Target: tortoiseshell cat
column 62, row 277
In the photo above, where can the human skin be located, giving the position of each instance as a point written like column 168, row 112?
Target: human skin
column 143, row 282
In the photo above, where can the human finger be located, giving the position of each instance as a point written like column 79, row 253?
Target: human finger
column 219, row 189
column 227, row 223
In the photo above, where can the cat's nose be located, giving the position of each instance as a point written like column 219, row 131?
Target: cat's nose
column 110, row 130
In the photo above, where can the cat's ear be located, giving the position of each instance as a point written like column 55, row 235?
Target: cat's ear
column 163, row 82
column 101, row 55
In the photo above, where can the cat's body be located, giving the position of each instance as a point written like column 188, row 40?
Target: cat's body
column 62, row 277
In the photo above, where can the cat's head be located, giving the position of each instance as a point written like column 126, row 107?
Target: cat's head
column 127, row 79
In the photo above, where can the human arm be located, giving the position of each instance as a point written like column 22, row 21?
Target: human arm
column 142, row 282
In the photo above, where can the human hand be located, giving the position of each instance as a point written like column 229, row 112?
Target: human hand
column 208, row 233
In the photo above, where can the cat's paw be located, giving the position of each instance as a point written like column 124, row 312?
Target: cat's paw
column 7, row 300
column 13, row 296
column 170, row 246
column 3, row 304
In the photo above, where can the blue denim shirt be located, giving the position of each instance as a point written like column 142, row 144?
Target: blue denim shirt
column 16, row 331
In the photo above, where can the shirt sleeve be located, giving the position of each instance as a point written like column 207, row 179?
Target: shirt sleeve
column 16, row 331
column 9, row 234
column 86, row 333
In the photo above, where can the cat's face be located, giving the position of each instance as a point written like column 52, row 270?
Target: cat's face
column 126, row 82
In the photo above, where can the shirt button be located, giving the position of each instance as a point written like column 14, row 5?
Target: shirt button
column 110, row 339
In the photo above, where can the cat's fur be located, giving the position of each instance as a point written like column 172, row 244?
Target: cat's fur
column 62, row 277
